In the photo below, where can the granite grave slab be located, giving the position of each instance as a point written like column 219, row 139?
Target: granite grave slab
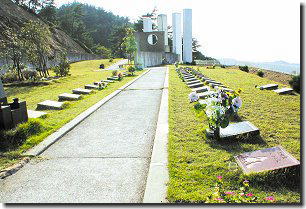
column 265, row 160
column 197, row 85
column 193, row 82
column 206, row 94
column 36, row 114
column 50, row 105
column 201, row 89
column 81, row 91
column 284, row 91
column 269, row 87
column 90, row 86
column 238, row 129
column 69, row 97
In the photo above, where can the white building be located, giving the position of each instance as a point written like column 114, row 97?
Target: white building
column 177, row 34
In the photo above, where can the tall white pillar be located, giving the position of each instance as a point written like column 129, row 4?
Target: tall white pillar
column 177, row 34
column 163, row 26
column 187, row 35
column 147, row 24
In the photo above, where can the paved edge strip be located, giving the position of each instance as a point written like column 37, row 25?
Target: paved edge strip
column 158, row 177
column 51, row 139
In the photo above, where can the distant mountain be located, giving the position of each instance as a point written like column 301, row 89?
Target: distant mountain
column 279, row 66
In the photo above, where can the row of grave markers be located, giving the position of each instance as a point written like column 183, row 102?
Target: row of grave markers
column 76, row 95
column 250, row 162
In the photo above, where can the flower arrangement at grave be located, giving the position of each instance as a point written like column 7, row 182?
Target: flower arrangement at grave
column 120, row 76
column 102, row 86
column 243, row 195
column 193, row 97
column 220, row 109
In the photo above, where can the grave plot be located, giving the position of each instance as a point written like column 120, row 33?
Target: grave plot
column 193, row 82
column 206, row 94
column 36, row 114
column 201, row 89
column 237, row 129
column 97, row 83
column 112, row 78
column 69, row 97
column 284, row 91
column 50, row 105
column 81, row 91
column 269, row 87
column 107, row 81
column 265, row 160
column 90, row 86
column 190, row 79
column 197, row 85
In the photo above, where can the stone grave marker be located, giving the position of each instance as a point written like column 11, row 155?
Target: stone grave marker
column 107, row 81
column 36, row 114
column 237, row 129
column 206, row 94
column 201, row 89
column 112, row 78
column 269, row 87
column 90, row 86
column 50, row 105
column 265, row 160
column 193, row 82
column 284, row 91
column 197, row 85
column 190, row 79
column 69, row 97
column 81, row 91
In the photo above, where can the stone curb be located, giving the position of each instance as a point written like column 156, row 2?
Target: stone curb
column 41, row 147
column 156, row 186
column 14, row 168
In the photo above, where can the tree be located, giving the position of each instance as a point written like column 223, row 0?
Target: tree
column 49, row 13
column 129, row 43
column 103, row 51
column 13, row 47
column 116, row 40
column 37, row 39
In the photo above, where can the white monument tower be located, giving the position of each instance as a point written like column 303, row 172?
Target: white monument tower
column 147, row 24
column 163, row 26
column 187, row 35
column 177, row 34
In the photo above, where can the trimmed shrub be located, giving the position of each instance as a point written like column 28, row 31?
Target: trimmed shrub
column 111, row 60
column 9, row 77
column 244, row 68
column 131, row 69
column 11, row 139
column 63, row 67
column 295, row 83
column 260, row 73
column 30, row 74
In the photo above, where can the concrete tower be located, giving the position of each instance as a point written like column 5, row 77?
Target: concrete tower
column 187, row 35
column 147, row 24
column 163, row 26
column 177, row 34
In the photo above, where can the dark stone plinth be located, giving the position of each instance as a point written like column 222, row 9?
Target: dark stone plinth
column 237, row 129
column 267, row 159
column 13, row 114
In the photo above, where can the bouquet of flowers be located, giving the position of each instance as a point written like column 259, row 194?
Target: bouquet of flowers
column 120, row 76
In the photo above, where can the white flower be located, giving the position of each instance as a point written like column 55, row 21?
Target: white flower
column 193, row 97
column 237, row 102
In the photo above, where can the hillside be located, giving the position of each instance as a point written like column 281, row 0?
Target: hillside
column 12, row 16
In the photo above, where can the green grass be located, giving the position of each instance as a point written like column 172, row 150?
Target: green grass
column 82, row 73
column 194, row 161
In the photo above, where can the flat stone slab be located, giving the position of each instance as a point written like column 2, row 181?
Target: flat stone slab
column 193, row 82
column 214, row 82
column 50, row 105
column 265, row 160
column 81, row 91
column 237, row 129
column 107, row 81
column 90, row 86
column 197, row 85
column 228, row 90
column 97, row 83
column 36, row 114
column 191, row 79
column 188, row 77
column 269, row 87
column 69, row 97
column 112, row 79
column 201, row 89
column 284, row 91
column 206, row 94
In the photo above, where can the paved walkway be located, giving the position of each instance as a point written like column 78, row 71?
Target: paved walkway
column 116, row 65
column 105, row 159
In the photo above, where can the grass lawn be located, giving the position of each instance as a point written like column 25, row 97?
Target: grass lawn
column 81, row 73
column 194, row 161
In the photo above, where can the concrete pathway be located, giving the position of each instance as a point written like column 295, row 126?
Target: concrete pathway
column 105, row 159
column 116, row 65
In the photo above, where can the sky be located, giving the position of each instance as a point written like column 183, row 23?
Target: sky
column 247, row 30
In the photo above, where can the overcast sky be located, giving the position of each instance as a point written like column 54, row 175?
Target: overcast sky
column 248, row 30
